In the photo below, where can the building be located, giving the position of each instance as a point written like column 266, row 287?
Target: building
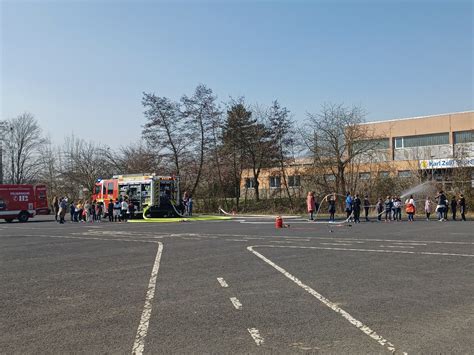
column 428, row 147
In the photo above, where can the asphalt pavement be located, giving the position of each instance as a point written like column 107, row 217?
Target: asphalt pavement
column 238, row 286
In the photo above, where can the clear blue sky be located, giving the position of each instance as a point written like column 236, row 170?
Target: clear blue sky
column 81, row 67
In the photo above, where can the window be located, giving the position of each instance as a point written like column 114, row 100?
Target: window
column 330, row 177
column 372, row 144
column 97, row 189
column 250, row 183
column 384, row 174
column 463, row 137
column 421, row 141
column 404, row 173
column 398, row 143
column 275, row 181
column 110, row 188
column 364, row 176
column 294, row 181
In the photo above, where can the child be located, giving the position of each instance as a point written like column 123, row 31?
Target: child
column 332, row 208
column 410, row 208
column 310, row 204
column 428, row 207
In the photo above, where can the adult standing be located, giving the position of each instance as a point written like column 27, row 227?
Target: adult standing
column 310, row 205
column 131, row 210
column 454, row 207
column 379, row 208
column 72, row 211
column 441, row 206
column 388, row 205
column 462, row 207
column 356, row 203
column 366, row 207
column 62, row 210
column 117, row 209
column 124, row 210
column 189, row 206
column 110, row 210
column 56, row 207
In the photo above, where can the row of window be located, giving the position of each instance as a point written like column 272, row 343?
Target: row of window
column 420, row 141
column 275, row 182
column 295, row 180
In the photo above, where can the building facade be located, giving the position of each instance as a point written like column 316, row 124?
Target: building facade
column 429, row 147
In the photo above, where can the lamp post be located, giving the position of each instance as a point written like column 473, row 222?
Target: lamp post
column 432, row 169
column 3, row 127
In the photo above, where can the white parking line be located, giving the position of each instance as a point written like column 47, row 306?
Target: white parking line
column 222, row 282
column 364, row 328
column 255, row 334
column 334, row 244
column 366, row 250
column 142, row 330
column 409, row 243
column 236, row 303
column 395, row 246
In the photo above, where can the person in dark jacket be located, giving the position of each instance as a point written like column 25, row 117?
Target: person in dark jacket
column 366, row 207
column 388, row 204
column 454, row 207
column 462, row 206
column 332, row 207
column 441, row 206
column 110, row 210
column 356, row 203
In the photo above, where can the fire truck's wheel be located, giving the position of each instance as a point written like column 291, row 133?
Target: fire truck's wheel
column 23, row 217
column 9, row 220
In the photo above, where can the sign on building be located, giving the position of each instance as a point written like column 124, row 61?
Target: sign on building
column 446, row 163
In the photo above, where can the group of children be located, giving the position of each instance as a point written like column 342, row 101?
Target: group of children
column 93, row 211
column 390, row 209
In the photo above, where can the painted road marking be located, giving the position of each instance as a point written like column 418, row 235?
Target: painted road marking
column 409, row 243
column 142, row 330
column 255, row 334
column 364, row 328
column 366, row 250
column 335, row 244
column 236, row 303
column 395, row 246
column 345, row 239
column 222, row 282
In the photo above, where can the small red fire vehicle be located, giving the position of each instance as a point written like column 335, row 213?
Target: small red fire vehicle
column 22, row 202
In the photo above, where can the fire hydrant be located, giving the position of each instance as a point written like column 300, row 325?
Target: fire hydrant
column 279, row 222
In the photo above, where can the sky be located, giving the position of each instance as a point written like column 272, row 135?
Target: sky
column 81, row 66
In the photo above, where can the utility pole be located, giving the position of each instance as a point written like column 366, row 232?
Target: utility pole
column 3, row 127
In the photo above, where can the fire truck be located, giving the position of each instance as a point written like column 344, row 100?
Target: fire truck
column 22, row 202
column 157, row 196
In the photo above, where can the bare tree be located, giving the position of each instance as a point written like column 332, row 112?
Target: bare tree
column 336, row 137
column 164, row 129
column 84, row 162
column 22, row 144
column 200, row 111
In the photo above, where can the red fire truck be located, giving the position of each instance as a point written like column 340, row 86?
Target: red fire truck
column 22, row 202
column 158, row 195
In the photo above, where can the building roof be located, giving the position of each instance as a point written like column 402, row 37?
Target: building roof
column 417, row 117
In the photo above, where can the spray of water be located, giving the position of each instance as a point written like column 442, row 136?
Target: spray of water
column 428, row 188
